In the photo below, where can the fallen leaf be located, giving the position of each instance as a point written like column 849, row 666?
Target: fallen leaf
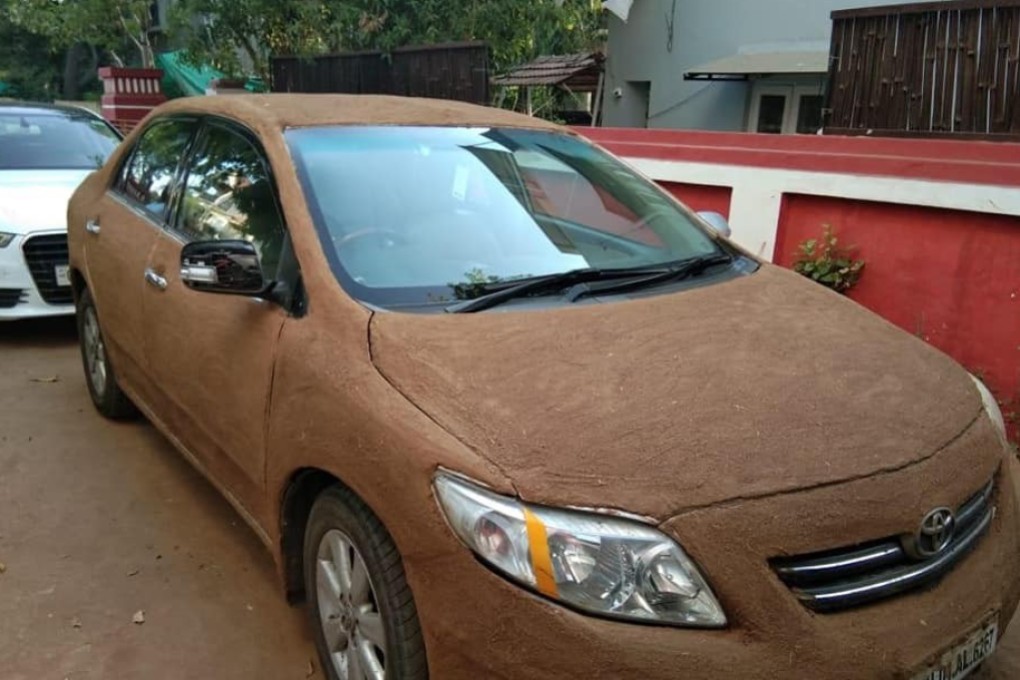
column 3, row 567
column 50, row 379
column 76, row 622
column 139, row 617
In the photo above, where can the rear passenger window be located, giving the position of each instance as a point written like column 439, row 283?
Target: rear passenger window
column 228, row 196
column 147, row 178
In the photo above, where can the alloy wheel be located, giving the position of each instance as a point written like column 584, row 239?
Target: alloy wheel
column 95, row 351
column 352, row 624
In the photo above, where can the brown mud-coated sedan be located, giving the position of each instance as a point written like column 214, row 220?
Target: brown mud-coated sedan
column 501, row 408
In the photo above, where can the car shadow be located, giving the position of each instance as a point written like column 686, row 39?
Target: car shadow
column 58, row 331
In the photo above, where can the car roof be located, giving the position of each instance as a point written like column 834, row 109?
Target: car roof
column 38, row 108
column 311, row 110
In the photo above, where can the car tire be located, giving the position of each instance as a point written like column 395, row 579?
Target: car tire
column 99, row 374
column 361, row 608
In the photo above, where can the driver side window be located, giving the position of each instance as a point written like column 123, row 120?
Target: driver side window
column 228, row 195
column 147, row 178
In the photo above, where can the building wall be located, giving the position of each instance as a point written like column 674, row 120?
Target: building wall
column 704, row 30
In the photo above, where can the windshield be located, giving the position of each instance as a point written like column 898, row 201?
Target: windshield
column 420, row 216
column 54, row 141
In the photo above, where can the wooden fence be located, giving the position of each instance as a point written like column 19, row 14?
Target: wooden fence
column 929, row 69
column 453, row 71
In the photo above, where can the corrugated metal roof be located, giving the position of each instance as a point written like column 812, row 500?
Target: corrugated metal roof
column 740, row 66
column 555, row 70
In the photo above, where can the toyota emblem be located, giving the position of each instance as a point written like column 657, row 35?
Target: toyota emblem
column 933, row 536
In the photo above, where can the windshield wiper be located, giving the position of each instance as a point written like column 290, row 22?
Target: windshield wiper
column 526, row 288
column 637, row 277
column 679, row 272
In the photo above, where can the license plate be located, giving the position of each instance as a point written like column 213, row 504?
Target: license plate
column 963, row 659
column 63, row 274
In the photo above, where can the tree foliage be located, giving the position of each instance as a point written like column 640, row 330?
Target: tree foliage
column 105, row 24
column 240, row 36
column 28, row 65
column 517, row 31
column 220, row 30
column 227, row 33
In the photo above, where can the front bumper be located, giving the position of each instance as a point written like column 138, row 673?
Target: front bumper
column 478, row 625
column 17, row 285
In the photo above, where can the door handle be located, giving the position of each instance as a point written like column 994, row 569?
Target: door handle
column 155, row 280
column 92, row 227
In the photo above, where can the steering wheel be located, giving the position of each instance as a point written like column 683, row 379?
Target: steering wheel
column 372, row 232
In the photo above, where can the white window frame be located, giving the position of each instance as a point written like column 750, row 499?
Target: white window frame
column 759, row 91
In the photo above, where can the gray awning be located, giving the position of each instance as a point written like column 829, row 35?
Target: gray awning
column 742, row 66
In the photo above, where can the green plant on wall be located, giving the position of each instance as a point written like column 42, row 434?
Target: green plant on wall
column 826, row 262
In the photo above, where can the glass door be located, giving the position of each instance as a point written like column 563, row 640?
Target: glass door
column 786, row 109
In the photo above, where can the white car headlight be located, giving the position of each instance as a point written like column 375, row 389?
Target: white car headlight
column 991, row 406
column 594, row 563
column 6, row 239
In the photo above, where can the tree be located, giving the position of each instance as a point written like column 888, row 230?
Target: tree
column 28, row 66
column 516, row 31
column 221, row 30
column 105, row 24
column 520, row 31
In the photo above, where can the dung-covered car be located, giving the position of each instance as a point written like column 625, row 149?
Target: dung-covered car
column 500, row 407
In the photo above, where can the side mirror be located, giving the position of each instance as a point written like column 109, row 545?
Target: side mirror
column 229, row 267
column 717, row 222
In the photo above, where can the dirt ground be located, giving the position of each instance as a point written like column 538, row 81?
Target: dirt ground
column 100, row 521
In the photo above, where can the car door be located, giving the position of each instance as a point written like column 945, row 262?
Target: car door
column 212, row 354
column 121, row 232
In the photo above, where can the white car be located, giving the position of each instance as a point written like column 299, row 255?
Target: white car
column 45, row 153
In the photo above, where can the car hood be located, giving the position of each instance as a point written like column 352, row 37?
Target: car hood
column 36, row 200
column 759, row 386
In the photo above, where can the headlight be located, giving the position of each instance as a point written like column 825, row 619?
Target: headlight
column 5, row 239
column 991, row 406
column 594, row 563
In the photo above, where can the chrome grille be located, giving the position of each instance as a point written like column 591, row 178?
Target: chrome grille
column 43, row 254
column 10, row 297
column 851, row 577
